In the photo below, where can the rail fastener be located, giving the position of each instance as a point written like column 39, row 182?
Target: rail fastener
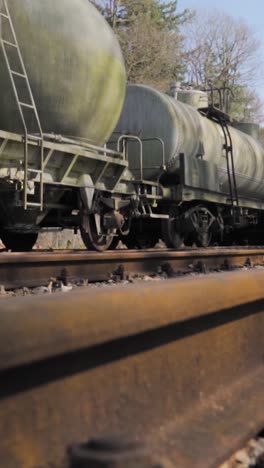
column 34, row 269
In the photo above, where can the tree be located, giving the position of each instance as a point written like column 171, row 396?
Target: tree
column 224, row 51
column 247, row 105
column 148, row 31
column 120, row 12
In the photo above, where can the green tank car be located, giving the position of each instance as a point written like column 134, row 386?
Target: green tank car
column 74, row 65
column 174, row 167
column 212, row 169
column 63, row 84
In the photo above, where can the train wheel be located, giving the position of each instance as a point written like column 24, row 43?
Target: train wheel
column 171, row 234
column 202, row 220
column 204, row 239
column 18, row 242
column 93, row 241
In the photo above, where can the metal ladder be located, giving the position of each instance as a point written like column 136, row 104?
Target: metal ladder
column 228, row 147
column 22, row 106
column 222, row 119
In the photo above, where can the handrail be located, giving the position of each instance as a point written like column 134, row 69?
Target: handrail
column 123, row 140
column 77, row 142
column 126, row 138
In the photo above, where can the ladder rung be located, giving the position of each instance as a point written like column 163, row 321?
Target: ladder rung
column 34, row 137
column 34, row 204
column 24, row 104
column 29, row 105
column 18, row 74
column 12, row 44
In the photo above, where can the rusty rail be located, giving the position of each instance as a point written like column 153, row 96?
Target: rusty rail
column 177, row 367
column 36, row 268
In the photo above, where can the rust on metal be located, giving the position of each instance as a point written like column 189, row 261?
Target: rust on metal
column 112, row 453
column 177, row 366
column 36, row 268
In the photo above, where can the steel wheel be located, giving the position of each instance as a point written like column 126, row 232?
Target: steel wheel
column 171, row 234
column 93, row 241
column 204, row 239
column 202, row 220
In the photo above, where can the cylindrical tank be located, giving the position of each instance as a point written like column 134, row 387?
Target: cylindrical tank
column 193, row 97
column 250, row 128
column 149, row 113
column 74, row 64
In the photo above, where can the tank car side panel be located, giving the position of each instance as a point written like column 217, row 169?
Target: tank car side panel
column 184, row 130
column 75, row 68
column 249, row 165
column 149, row 113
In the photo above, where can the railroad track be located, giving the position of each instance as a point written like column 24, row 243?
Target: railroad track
column 36, row 268
column 172, row 374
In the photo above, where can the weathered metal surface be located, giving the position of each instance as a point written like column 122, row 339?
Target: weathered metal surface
column 79, row 93
column 75, row 160
column 36, row 268
column 184, row 130
column 111, row 453
column 177, row 366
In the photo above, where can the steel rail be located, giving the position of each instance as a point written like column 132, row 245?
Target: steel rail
column 177, row 367
column 36, row 268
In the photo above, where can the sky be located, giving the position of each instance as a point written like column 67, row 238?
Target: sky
column 251, row 11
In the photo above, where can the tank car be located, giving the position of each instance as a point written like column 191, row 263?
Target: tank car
column 62, row 89
column 210, row 174
column 175, row 169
